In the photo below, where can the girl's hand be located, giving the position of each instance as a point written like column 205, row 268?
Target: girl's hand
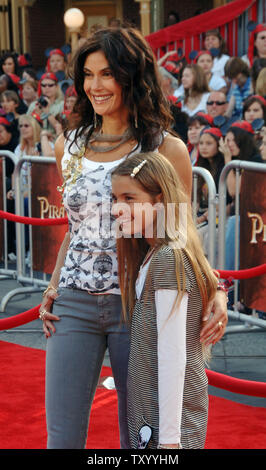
column 166, row 55
column 202, row 218
column 214, row 326
column 45, row 312
column 223, row 148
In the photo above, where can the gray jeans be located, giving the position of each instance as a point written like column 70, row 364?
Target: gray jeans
column 74, row 355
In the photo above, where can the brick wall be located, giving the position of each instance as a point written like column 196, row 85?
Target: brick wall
column 187, row 9
column 131, row 12
column 46, row 28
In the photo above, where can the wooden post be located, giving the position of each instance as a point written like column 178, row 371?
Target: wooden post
column 4, row 26
column 15, row 25
column 157, row 15
column 145, row 16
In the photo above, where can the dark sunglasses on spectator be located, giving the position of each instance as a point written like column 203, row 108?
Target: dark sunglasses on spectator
column 47, row 84
column 24, row 125
column 219, row 103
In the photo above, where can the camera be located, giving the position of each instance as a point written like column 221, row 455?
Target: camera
column 43, row 102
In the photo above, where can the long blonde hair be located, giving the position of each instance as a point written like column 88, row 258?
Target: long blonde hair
column 260, row 88
column 36, row 129
column 158, row 176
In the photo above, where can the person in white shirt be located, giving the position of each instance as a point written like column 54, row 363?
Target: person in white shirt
column 214, row 40
column 196, row 90
column 215, row 82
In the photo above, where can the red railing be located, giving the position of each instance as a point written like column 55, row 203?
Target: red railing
column 231, row 20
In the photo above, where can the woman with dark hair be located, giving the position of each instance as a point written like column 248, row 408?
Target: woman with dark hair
column 196, row 124
column 254, row 107
column 9, row 63
column 121, row 110
column 239, row 144
column 215, row 82
column 257, row 45
column 214, row 40
column 211, row 158
column 9, row 137
column 50, row 101
column 196, row 90
column 11, row 82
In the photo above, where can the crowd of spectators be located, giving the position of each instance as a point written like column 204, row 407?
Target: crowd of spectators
column 35, row 106
column 222, row 100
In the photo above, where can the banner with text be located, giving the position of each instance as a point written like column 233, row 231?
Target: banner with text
column 253, row 237
column 46, row 203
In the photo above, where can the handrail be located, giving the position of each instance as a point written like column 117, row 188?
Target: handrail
column 231, row 19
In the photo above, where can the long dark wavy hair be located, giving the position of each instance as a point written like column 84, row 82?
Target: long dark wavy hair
column 134, row 67
column 246, row 143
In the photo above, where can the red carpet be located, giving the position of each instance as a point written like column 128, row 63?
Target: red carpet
column 22, row 411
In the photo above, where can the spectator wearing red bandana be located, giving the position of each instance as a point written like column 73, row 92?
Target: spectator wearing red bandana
column 196, row 124
column 239, row 144
column 50, row 101
column 56, row 61
column 254, row 108
column 257, row 44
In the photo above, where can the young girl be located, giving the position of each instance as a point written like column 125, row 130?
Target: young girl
column 196, row 124
column 215, row 82
column 212, row 159
column 165, row 283
column 196, row 90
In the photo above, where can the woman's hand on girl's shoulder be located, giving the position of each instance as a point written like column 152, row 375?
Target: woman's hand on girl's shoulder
column 59, row 151
column 175, row 150
column 213, row 327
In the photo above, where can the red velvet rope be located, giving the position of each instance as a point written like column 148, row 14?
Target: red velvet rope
column 32, row 220
column 243, row 273
column 20, row 319
column 244, row 387
column 231, row 384
column 240, row 386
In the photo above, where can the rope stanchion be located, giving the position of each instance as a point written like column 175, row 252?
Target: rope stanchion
column 20, row 319
column 32, row 220
column 232, row 384
column 240, row 386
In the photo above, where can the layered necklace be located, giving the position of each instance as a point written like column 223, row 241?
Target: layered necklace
column 73, row 167
column 98, row 136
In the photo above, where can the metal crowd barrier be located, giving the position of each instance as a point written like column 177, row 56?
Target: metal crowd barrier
column 31, row 283
column 212, row 205
column 6, row 271
column 237, row 165
column 36, row 284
